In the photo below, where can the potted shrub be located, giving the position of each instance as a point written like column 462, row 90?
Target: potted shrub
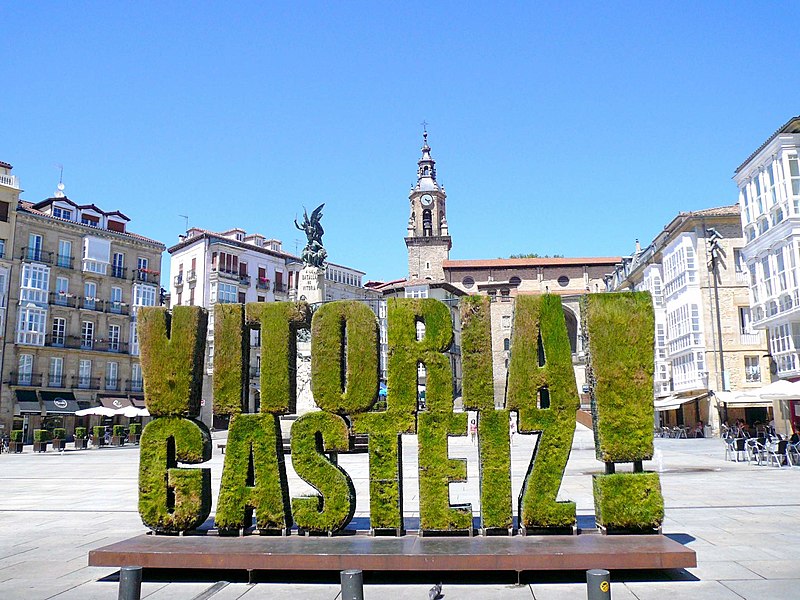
column 15, row 445
column 59, row 438
column 134, row 431
column 98, row 436
column 118, row 435
column 80, row 438
column 40, row 439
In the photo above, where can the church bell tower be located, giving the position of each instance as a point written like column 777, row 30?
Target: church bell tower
column 428, row 238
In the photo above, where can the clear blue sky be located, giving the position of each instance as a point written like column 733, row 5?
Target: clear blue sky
column 572, row 128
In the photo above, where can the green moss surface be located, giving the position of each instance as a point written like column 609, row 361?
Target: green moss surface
column 621, row 330
column 279, row 323
column 172, row 353
column 543, row 316
column 314, row 434
column 344, row 385
column 254, row 477
column 437, row 471
column 494, row 448
column 628, row 502
column 231, row 359
column 171, row 499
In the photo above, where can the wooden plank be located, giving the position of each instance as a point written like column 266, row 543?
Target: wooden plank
column 407, row 553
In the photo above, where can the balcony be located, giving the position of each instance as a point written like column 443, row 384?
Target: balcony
column 85, row 383
column 178, row 279
column 94, row 266
column 25, row 379
column 55, row 380
column 191, row 276
column 65, row 262
column 147, row 276
column 118, row 272
column 750, row 339
column 244, row 279
column 116, row 308
column 134, row 385
column 62, row 341
column 110, row 346
column 225, row 273
column 112, row 385
column 63, row 299
column 280, row 288
column 33, row 254
column 262, row 283
column 88, row 303
column 11, row 181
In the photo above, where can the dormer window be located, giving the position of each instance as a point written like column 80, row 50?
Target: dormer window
column 90, row 220
column 62, row 213
column 116, row 226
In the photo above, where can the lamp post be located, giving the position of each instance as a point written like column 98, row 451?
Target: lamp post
column 714, row 250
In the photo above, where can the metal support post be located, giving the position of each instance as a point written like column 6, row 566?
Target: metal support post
column 352, row 584
column 130, row 583
column 598, row 583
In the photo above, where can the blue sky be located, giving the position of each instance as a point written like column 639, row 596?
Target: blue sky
column 569, row 129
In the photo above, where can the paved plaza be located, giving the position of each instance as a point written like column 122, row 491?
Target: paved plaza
column 742, row 520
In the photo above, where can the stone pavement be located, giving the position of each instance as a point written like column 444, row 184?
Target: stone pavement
column 742, row 520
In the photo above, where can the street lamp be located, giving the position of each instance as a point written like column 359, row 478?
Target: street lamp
column 714, row 250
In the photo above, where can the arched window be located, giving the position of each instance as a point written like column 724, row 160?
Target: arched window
column 506, row 344
column 427, row 223
column 424, row 171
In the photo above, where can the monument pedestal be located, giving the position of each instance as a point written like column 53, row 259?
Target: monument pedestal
column 312, row 285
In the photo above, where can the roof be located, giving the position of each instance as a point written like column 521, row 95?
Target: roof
column 5, row 165
column 719, row 211
column 400, row 284
column 529, row 262
column 213, row 236
column 28, row 207
column 94, row 207
column 791, row 126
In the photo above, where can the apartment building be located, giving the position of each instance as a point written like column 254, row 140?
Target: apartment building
column 704, row 338
column 769, row 197
column 9, row 197
column 78, row 278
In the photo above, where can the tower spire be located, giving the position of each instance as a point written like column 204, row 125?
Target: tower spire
column 426, row 166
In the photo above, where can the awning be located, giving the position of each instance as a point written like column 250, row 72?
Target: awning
column 138, row 401
column 59, row 403
column 27, row 403
column 742, row 400
column 674, row 402
column 115, row 403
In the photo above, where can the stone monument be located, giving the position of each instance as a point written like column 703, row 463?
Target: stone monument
column 312, row 278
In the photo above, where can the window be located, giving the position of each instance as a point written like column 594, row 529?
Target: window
column 118, row 265
column 191, row 297
column 2, row 248
column 34, row 250
column 85, row 374
column 144, row 295
column 35, row 282
column 141, row 268
column 752, row 369
column 515, row 281
column 25, row 368
column 113, row 338
column 242, row 298
column 31, row 325
column 87, row 335
column 4, row 211
column 112, row 370
column 90, row 220
column 134, row 337
column 59, row 331
column 563, row 281
column 56, row 374
column 90, row 295
column 116, row 300
column 468, row 282
column 96, row 253
column 226, row 263
column 136, row 377
column 506, row 344
column 506, row 321
column 227, row 292
column 62, row 213
column 64, row 254
column 418, row 291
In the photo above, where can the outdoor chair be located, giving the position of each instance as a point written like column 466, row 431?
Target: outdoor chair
column 736, row 447
column 777, row 452
column 757, row 450
column 793, row 453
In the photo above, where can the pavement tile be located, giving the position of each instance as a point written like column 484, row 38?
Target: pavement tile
column 775, row 569
column 778, row 589
column 696, row 590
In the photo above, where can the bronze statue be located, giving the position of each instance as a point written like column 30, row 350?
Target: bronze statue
column 313, row 254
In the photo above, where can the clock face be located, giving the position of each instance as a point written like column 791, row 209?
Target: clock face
column 426, row 200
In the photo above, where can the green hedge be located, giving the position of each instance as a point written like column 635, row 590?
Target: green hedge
column 231, row 359
column 254, row 477
column 437, row 471
column 172, row 354
column 135, row 428
column 118, row 430
column 314, row 434
column 80, row 433
column 540, row 320
column 279, row 323
column 344, row 385
column 16, row 435
column 42, row 435
column 628, row 502
column 98, row 431
column 59, row 433
column 171, row 499
column 494, row 442
column 621, row 338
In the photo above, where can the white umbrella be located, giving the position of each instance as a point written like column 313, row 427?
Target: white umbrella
column 101, row 411
column 781, row 390
column 143, row 412
column 128, row 411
